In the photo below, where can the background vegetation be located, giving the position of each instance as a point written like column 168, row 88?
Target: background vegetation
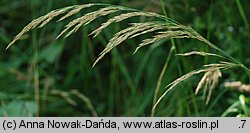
column 41, row 76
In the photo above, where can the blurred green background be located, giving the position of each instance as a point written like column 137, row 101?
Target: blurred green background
column 42, row 76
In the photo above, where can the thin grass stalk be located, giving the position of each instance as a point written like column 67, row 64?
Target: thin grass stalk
column 37, row 92
column 159, row 82
column 242, row 14
column 173, row 50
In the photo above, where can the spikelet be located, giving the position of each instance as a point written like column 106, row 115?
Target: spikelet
column 238, row 85
column 209, row 81
column 75, row 10
column 86, row 19
column 119, row 19
column 201, row 53
column 165, row 35
column 155, row 28
column 41, row 21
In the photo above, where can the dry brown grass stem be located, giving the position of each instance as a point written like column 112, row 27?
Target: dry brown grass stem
column 67, row 96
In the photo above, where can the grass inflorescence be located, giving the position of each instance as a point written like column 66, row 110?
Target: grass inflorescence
column 161, row 28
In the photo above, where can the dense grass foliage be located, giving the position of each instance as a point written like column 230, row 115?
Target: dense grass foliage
column 42, row 76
